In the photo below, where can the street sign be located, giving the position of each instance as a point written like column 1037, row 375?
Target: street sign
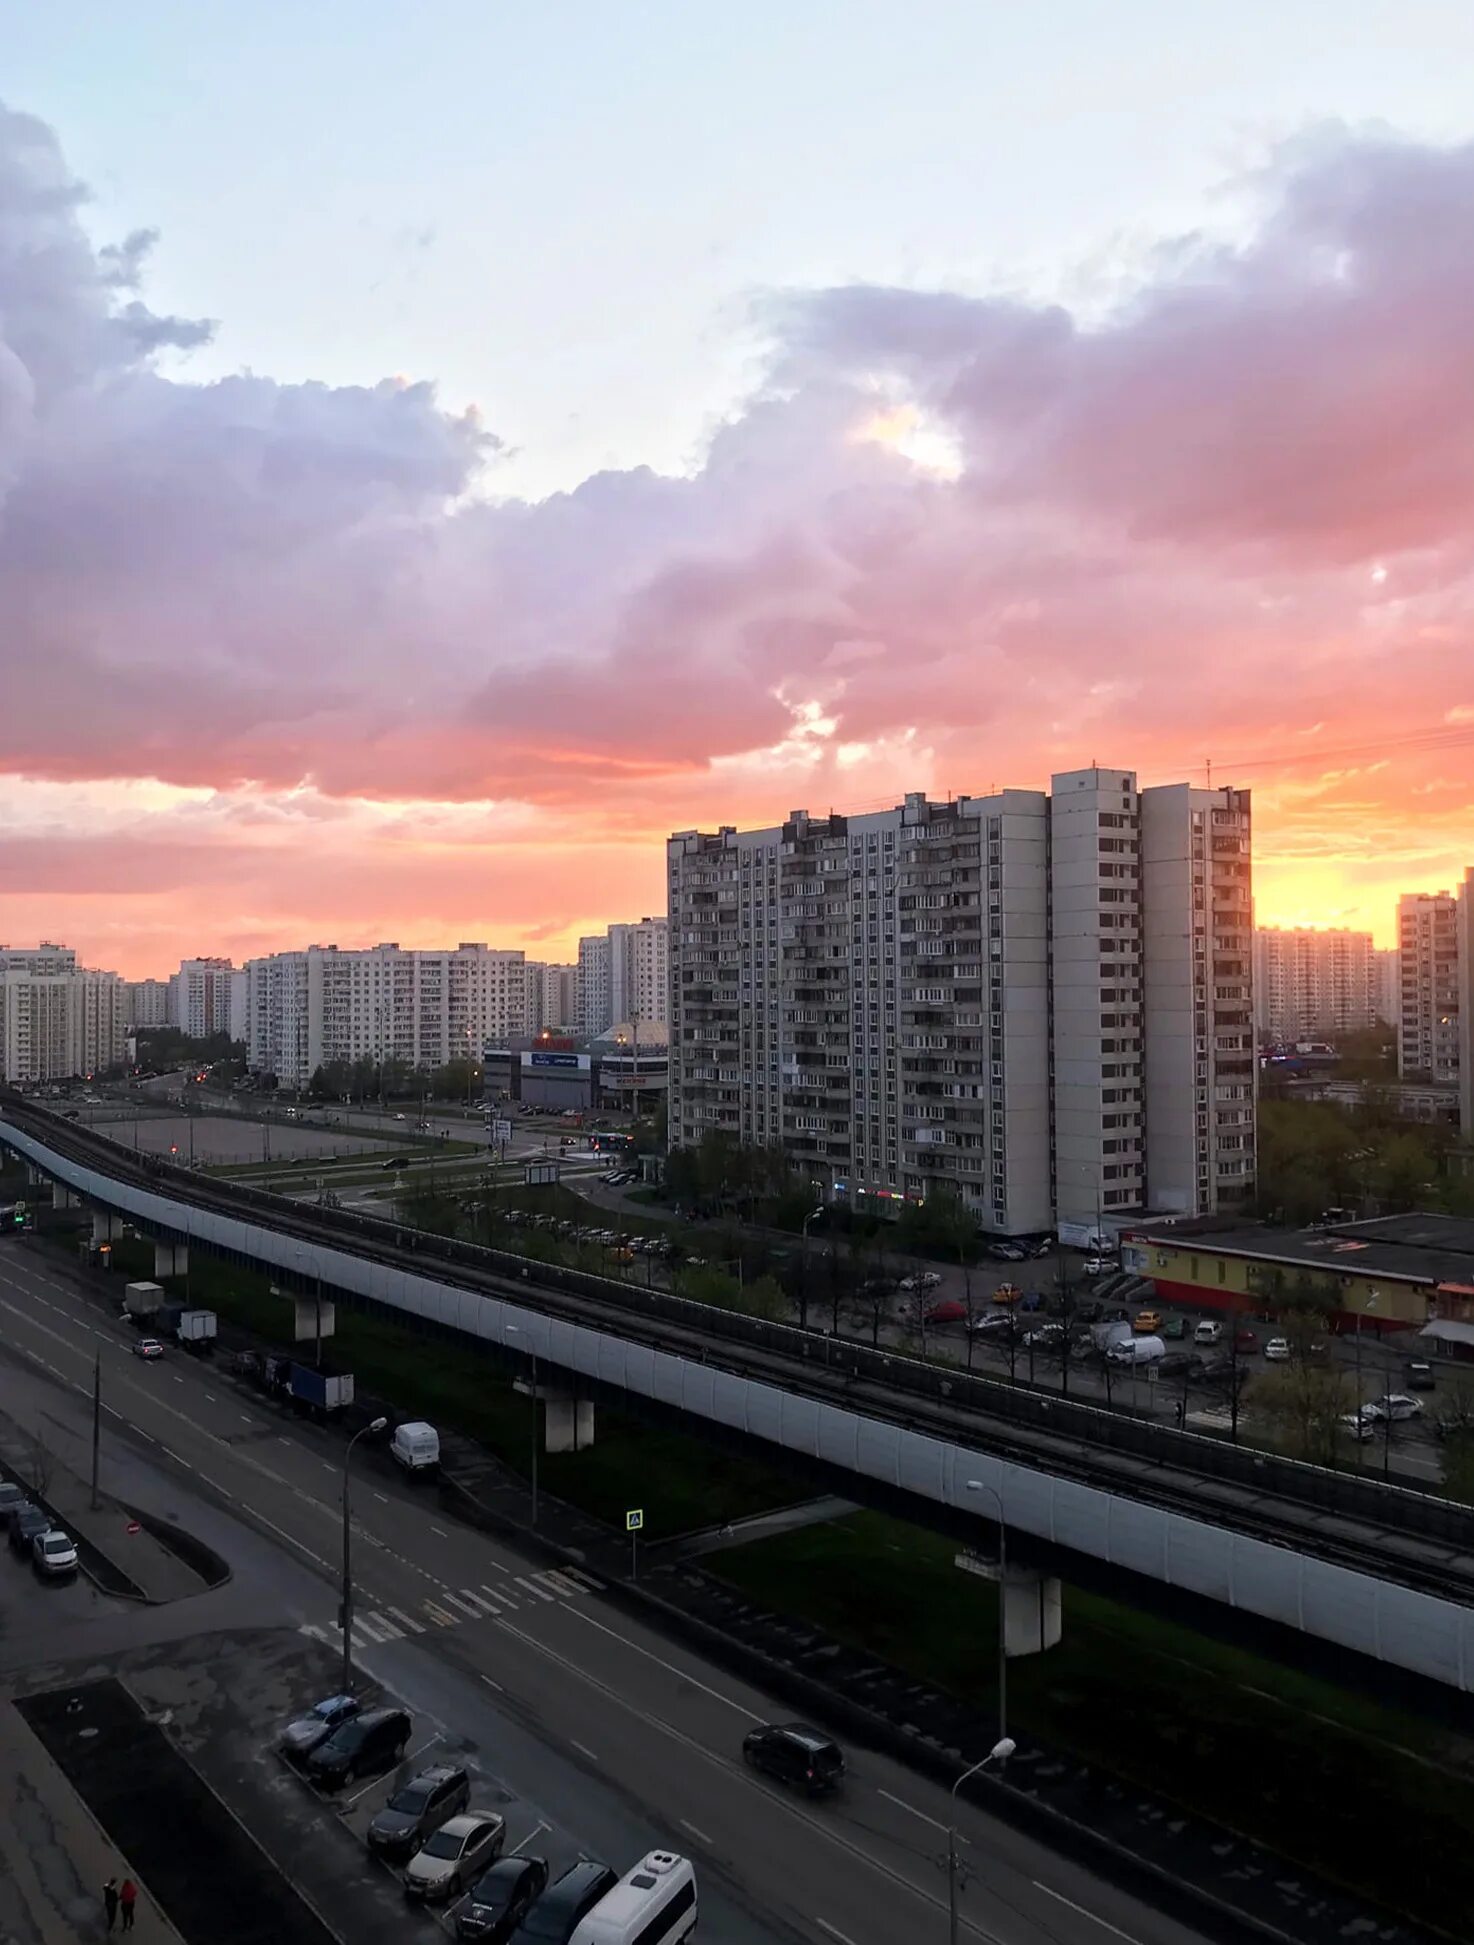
column 634, row 1520
column 501, row 1131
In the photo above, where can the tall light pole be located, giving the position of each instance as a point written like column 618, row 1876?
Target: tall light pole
column 978, row 1486
column 345, row 1612
column 515, row 1330
column 999, row 1753
column 804, row 1300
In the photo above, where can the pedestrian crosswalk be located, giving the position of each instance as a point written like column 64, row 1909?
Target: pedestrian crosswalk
column 454, row 1607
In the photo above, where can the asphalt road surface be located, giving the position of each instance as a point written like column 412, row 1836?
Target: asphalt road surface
column 623, row 1739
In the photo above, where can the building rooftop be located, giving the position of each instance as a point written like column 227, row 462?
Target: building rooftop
column 1417, row 1248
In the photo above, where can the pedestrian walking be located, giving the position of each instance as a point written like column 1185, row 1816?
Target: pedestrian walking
column 1181, row 1413
column 127, row 1898
column 110, row 1901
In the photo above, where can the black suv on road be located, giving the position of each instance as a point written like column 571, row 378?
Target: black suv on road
column 795, row 1754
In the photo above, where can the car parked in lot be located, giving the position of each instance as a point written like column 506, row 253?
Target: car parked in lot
column 372, row 1742
column 458, row 1851
column 992, row 1323
column 1044, row 1337
column 147, row 1347
column 501, row 1898
column 949, row 1311
column 1245, row 1341
column 1396, row 1405
column 1277, row 1350
column 1008, row 1293
column 26, row 1522
column 1419, row 1376
column 557, row 1914
column 302, row 1735
column 1147, row 1323
column 418, row 1807
column 1007, row 1252
column 1360, row 1425
column 794, row 1753
column 11, row 1497
column 1096, row 1266
column 1207, row 1331
column 54, row 1553
column 1181, row 1364
column 1174, row 1329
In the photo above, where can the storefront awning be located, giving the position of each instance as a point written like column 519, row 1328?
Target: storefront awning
column 1445, row 1331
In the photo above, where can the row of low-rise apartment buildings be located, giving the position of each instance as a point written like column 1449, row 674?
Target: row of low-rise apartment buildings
column 58, row 1020
column 205, row 997
column 1040, row 1000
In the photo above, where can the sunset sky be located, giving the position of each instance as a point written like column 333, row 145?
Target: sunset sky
column 445, row 449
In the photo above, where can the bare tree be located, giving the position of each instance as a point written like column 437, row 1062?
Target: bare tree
column 40, row 1464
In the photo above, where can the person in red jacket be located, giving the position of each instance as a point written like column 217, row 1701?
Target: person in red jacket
column 127, row 1898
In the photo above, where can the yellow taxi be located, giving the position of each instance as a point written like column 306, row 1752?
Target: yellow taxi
column 1146, row 1323
column 1007, row 1293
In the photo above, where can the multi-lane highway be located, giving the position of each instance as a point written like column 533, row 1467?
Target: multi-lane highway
column 586, row 1703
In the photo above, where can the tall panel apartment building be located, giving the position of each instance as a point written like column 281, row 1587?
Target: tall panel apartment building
column 1428, row 946
column 57, row 1019
column 1309, row 982
column 421, row 1009
column 146, row 1003
column 962, row 995
column 595, row 999
column 1465, row 946
column 639, row 972
column 205, row 997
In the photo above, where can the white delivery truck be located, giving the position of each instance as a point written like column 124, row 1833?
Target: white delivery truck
column 197, row 1327
column 141, row 1301
column 1133, row 1351
column 416, row 1446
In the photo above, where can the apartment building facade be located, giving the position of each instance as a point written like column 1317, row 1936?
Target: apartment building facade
column 58, row 1019
column 209, row 997
column 1465, row 946
column 1428, row 1038
column 146, row 1003
column 383, row 1003
column 639, row 973
column 1310, row 983
column 594, row 996
column 960, row 995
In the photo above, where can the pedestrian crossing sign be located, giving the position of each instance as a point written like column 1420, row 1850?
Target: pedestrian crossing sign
column 634, row 1519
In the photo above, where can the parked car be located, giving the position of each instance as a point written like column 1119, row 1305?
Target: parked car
column 1008, row 1293
column 992, row 1323
column 1277, row 1350
column 1208, row 1332
column 1045, row 1337
column 1396, row 1405
column 795, row 1754
column 1360, row 1425
column 1096, row 1266
column 1245, row 1341
column 556, row 1915
column 1419, row 1376
column 1181, row 1364
column 1007, row 1252
column 458, row 1851
column 54, row 1553
column 1175, row 1329
column 501, row 1898
column 949, row 1311
column 11, row 1497
column 26, row 1522
column 371, row 1743
column 1147, row 1323
column 301, row 1736
column 147, row 1347
column 419, row 1807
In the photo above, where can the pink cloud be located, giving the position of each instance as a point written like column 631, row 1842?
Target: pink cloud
column 1239, row 505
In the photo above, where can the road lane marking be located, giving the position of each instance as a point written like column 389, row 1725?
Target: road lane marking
column 700, row 1835
column 439, row 1616
column 476, row 1613
column 583, row 1750
column 901, row 1804
column 669, row 1666
column 585, row 1580
column 441, row 1531
column 382, row 1496
column 834, row 1931
column 415, row 1627
column 501, row 1691
column 540, row 1826
column 1083, row 1910
column 212, row 1398
column 563, row 1585
column 532, row 1587
column 501, row 1600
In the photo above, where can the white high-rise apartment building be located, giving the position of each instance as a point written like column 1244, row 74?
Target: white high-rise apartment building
column 146, row 1003
column 559, row 997
column 58, row 1019
column 1428, row 1029
column 1465, row 947
column 1388, row 974
column 1314, row 983
column 639, row 972
column 966, row 995
column 205, row 997
column 594, row 996
column 423, row 1009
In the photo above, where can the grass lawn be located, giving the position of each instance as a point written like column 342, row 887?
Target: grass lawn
column 1379, row 1800
column 680, row 1482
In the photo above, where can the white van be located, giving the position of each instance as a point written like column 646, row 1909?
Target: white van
column 1137, row 1350
column 654, row 1903
column 416, row 1446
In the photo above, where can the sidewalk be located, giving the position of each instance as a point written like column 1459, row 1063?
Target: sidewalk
column 54, row 1860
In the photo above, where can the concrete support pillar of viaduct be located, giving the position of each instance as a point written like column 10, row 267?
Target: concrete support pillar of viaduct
column 170, row 1259
column 568, row 1422
column 62, row 1198
column 1033, row 1611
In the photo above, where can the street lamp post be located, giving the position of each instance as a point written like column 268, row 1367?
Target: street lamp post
column 999, row 1753
column 346, row 1608
column 804, row 1297
column 515, row 1330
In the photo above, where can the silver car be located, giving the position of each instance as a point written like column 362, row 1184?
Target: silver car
column 459, row 1851
column 54, row 1554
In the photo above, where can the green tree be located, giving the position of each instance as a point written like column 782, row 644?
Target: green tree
column 1301, row 1405
column 1453, row 1423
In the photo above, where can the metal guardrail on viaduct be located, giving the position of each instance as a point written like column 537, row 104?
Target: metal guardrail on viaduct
column 1376, row 1568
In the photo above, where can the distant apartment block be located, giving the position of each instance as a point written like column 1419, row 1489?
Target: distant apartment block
column 1389, row 985
column 624, row 976
column 1311, row 983
column 421, row 1009
column 1428, row 1039
column 1038, row 1000
column 58, row 1019
column 593, row 996
column 209, row 998
column 1465, row 945
column 146, row 1003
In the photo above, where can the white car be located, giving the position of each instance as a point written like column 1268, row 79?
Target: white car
column 459, row 1851
column 1396, row 1405
column 147, row 1347
column 1094, row 1266
column 1208, row 1332
column 1277, row 1350
column 1360, row 1424
column 53, row 1553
